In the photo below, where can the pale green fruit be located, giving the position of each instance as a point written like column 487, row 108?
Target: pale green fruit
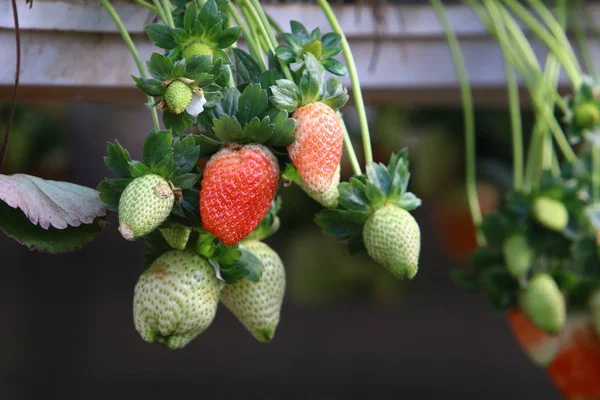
column 176, row 235
column 544, row 304
column 594, row 304
column 257, row 305
column 145, row 204
column 197, row 49
column 392, row 238
column 587, row 115
column 550, row 213
column 328, row 199
column 178, row 96
column 518, row 255
column 175, row 299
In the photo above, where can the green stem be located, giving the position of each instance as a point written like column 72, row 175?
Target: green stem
column 253, row 29
column 350, row 148
column 582, row 42
column 168, row 13
column 513, row 97
column 596, row 173
column 468, row 114
column 356, row 90
column 265, row 27
column 248, row 38
column 148, row 6
column 160, row 12
column 570, row 66
column 275, row 25
column 127, row 39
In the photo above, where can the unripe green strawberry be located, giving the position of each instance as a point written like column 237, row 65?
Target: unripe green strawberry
column 550, row 213
column 258, row 304
column 392, row 238
column 544, row 304
column 175, row 299
column 518, row 255
column 594, row 304
column 587, row 115
column 328, row 199
column 197, row 49
column 176, row 235
column 178, row 96
column 145, row 204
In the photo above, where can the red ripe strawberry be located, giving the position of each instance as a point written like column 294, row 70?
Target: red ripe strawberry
column 317, row 150
column 238, row 186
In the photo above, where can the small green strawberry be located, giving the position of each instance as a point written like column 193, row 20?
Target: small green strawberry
column 393, row 239
column 176, row 235
column 258, row 305
column 175, row 299
column 587, row 115
column 178, row 96
column 145, row 204
column 544, row 304
column 197, row 49
column 550, row 213
column 594, row 304
column 518, row 255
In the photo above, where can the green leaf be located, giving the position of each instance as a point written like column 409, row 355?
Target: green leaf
column 246, row 266
column 151, row 87
column 332, row 44
column 243, row 66
column 186, row 181
column 353, row 197
column 155, row 246
column 178, row 69
column 15, row 224
column 375, row 195
column 299, row 31
column 408, row 201
column 110, row 196
column 208, row 145
column 400, row 178
column 342, row 223
column 185, row 154
column 180, row 36
column 229, row 36
column 166, row 167
column 178, row 123
column 212, row 98
column 311, row 82
column 156, row 147
column 161, row 35
column 160, row 67
column 286, row 95
column 209, row 14
column 190, row 16
column 258, row 131
column 117, row 160
column 335, row 67
column 205, row 246
column 227, row 128
column 197, row 65
column 138, row 169
column 253, row 102
column 379, row 176
column 285, row 53
column 293, row 42
column 283, row 130
column 229, row 102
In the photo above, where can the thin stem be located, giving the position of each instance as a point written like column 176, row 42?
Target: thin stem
column 160, row 12
column 168, row 12
column 269, row 36
column 148, row 6
column 356, row 90
column 468, row 115
column 132, row 49
column 349, row 148
column 596, row 173
column 275, row 25
column 13, row 105
column 253, row 30
column 582, row 41
column 513, row 97
column 252, row 46
column 570, row 66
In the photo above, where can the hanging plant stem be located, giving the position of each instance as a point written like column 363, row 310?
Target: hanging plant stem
column 248, row 38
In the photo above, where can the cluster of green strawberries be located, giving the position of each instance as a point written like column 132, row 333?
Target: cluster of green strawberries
column 543, row 247
column 203, row 222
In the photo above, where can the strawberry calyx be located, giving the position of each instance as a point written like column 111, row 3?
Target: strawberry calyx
column 582, row 116
column 322, row 47
column 198, row 25
column 363, row 195
column 312, row 87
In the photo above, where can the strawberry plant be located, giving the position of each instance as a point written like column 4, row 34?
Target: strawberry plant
column 237, row 126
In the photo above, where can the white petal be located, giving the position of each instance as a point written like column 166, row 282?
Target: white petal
column 196, row 105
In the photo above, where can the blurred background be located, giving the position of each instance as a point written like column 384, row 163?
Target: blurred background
column 348, row 329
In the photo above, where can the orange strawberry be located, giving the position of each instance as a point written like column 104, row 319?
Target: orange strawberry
column 237, row 188
column 317, row 150
column 572, row 359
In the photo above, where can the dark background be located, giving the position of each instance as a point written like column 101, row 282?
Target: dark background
column 67, row 329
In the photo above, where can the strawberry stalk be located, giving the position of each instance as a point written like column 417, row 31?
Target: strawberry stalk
column 468, row 114
column 356, row 91
column 133, row 50
column 168, row 13
column 260, row 55
column 147, row 5
column 350, row 148
column 160, row 11
column 248, row 38
column 582, row 43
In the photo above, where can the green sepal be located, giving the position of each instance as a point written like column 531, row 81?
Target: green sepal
column 161, row 35
column 286, row 95
column 117, row 159
column 269, row 224
column 111, row 190
column 138, row 169
column 312, row 81
column 160, row 67
column 185, row 154
column 343, row 224
column 151, row 87
column 178, row 123
column 156, row 147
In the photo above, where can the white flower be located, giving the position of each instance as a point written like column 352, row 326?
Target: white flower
column 196, row 105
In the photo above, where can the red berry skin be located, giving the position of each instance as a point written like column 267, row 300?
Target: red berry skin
column 317, row 150
column 238, row 186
